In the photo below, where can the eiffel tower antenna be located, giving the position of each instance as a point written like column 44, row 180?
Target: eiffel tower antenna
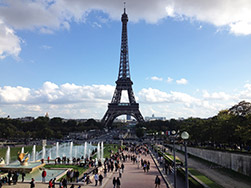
column 124, row 7
column 116, row 108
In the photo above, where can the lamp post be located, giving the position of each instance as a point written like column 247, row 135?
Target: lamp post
column 174, row 159
column 185, row 136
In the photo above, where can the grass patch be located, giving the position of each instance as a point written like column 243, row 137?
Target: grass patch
column 108, row 148
column 204, row 179
column 15, row 150
column 172, row 157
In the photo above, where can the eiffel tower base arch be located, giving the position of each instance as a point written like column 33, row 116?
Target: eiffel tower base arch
column 115, row 110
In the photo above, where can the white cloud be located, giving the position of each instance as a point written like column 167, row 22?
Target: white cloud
column 234, row 14
column 182, row 81
column 245, row 94
column 169, row 80
column 153, row 96
column 241, row 28
column 66, row 100
column 2, row 114
column 46, row 47
column 155, row 78
column 216, row 95
column 29, row 14
column 46, row 31
column 17, row 94
column 51, row 93
column 95, row 24
column 248, row 86
column 76, row 101
column 9, row 42
column 46, row 16
column 170, row 11
column 176, row 104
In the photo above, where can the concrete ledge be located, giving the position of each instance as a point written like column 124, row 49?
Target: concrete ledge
column 157, row 165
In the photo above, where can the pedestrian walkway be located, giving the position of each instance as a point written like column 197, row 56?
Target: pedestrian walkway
column 26, row 185
column 170, row 176
column 136, row 177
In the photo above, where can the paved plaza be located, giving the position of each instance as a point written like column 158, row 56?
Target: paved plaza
column 133, row 176
column 136, row 177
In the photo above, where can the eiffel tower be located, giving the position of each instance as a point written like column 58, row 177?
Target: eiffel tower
column 116, row 108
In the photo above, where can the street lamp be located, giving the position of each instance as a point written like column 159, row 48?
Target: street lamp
column 185, row 136
column 174, row 159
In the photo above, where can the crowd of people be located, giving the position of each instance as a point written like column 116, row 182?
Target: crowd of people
column 115, row 164
column 12, row 177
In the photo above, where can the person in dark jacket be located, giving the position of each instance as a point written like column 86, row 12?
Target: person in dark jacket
column 118, row 182
column 122, row 167
column 64, row 182
column 32, row 183
column 114, row 182
column 157, row 182
column 100, row 179
column 23, row 175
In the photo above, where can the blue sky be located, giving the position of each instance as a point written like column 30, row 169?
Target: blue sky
column 187, row 58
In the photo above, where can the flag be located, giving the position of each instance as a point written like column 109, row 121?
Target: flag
column 168, row 133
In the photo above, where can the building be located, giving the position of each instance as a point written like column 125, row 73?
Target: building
column 26, row 119
column 153, row 118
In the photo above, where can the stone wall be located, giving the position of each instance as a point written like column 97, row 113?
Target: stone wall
column 238, row 162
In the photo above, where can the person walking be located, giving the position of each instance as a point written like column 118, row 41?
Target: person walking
column 9, row 177
column 71, row 175
column 118, row 182
column 144, row 167
column 43, row 176
column 157, row 182
column 23, row 175
column 100, row 179
column 64, row 182
column 114, row 182
column 60, row 184
column 32, row 183
column 122, row 167
column 105, row 172
column 14, row 178
column 120, row 173
column 96, row 179
column 54, row 183
column 147, row 167
column 76, row 175
column 50, row 184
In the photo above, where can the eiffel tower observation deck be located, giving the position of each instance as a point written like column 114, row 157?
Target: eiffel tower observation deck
column 116, row 108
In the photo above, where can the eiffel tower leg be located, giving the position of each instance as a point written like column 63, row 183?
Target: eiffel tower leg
column 108, row 118
column 139, row 117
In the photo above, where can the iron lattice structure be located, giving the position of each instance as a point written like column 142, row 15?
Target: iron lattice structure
column 116, row 108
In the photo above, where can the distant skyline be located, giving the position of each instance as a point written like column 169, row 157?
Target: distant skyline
column 188, row 58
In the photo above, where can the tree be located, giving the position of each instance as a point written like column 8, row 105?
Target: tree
column 139, row 132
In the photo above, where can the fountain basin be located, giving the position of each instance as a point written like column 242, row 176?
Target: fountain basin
column 20, row 168
column 50, row 174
